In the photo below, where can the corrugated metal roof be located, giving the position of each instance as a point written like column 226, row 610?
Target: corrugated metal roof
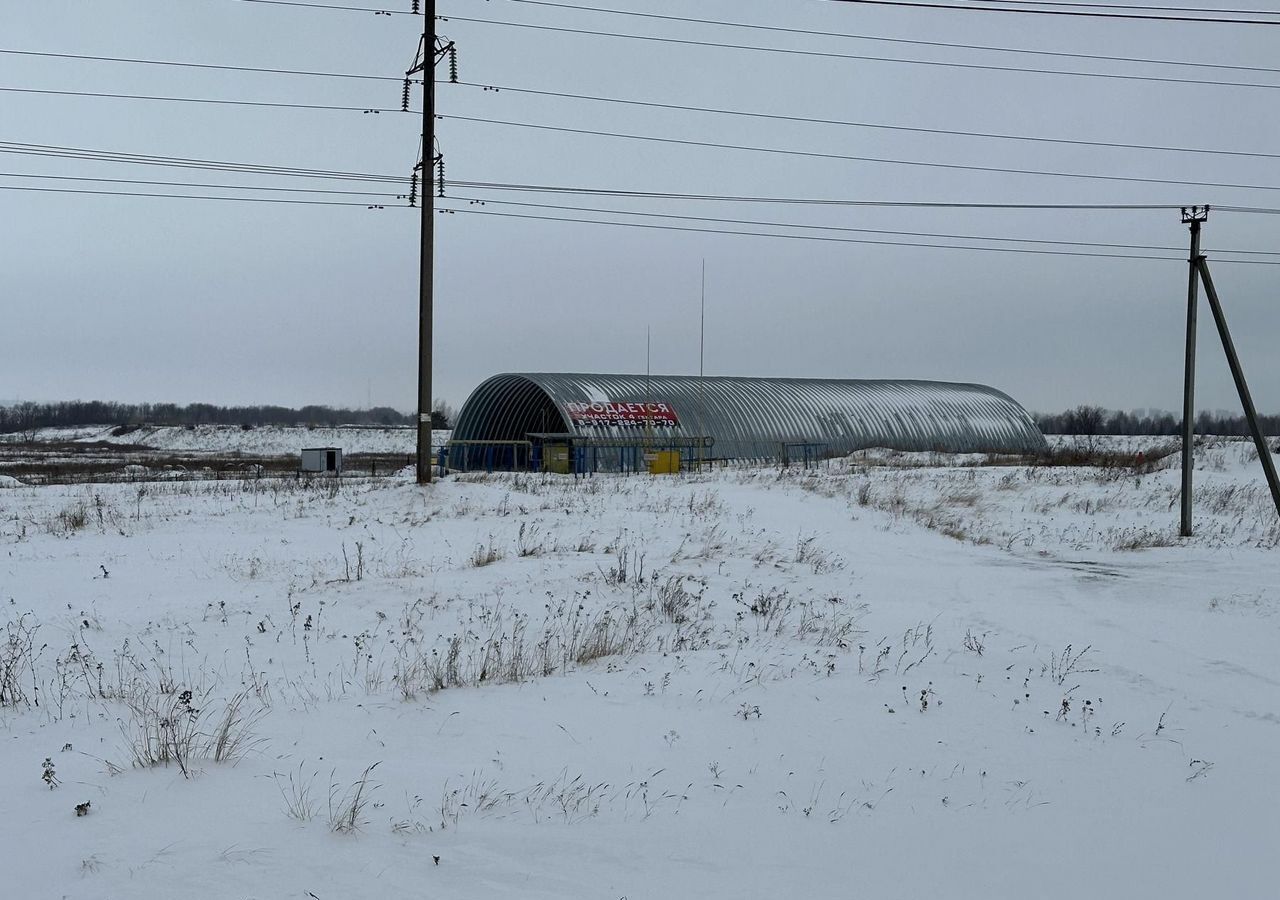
column 752, row 417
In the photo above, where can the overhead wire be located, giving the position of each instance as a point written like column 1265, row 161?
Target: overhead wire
column 109, row 156
column 830, row 54
column 642, row 225
column 1085, row 9
column 197, row 184
column 838, row 240
column 649, row 104
column 1215, row 10
column 54, row 151
column 905, row 204
column 157, row 195
column 814, row 154
column 191, row 65
column 845, row 229
column 951, row 45
column 1009, row 7
column 376, row 10
column 208, row 100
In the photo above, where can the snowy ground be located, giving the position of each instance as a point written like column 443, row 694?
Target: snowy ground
column 100, row 454
column 864, row 680
column 267, row 440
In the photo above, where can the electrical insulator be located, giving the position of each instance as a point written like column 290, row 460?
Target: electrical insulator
column 413, row 189
column 453, row 64
column 441, row 178
column 404, row 96
column 417, row 8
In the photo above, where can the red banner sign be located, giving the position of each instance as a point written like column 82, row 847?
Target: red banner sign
column 625, row 414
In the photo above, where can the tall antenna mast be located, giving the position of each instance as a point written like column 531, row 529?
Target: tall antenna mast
column 647, row 345
column 702, row 330
column 648, row 390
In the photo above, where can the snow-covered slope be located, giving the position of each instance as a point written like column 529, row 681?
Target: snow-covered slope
column 267, row 440
column 740, row 684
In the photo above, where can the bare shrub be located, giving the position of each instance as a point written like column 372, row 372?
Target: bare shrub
column 1144, row 539
column 770, row 610
column 296, row 793
column 820, row 560
column 916, row 646
column 973, row 643
column 625, row 568
column 672, row 602
column 569, row 799
column 479, row 796
column 611, row 633
column 486, row 554
column 71, row 519
column 168, row 727
column 232, row 734
column 830, row 623
column 347, row 809
column 1067, row 664
column 18, row 655
column 510, row 652
column 1142, row 461
column 528, row 542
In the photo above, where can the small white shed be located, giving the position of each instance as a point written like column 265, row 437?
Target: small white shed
column 323, row 460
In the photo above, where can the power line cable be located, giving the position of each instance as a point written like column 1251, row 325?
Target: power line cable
column 51, row 190
column 646, row 104
column 1079, row 13
column 50, row 150
column 851, row 124
column 379, row 206
column 1252, row 210
column 209, row 100
column 846, row 229
column 196, row 184
column 379, row 11
column 896, row 40
column 190, row 65
column 838, row 240
column 1215, row 10
column 902, row 204
column 648, row 226
column 827, row 54
column 813, row 154
column 877, row 204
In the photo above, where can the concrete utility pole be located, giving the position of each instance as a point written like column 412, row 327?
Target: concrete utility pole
column 1193, row 218
column 1242, row 387
column 1200, row 275
column 426, row 66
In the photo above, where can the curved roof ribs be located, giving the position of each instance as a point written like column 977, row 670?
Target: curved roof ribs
column 750, row 417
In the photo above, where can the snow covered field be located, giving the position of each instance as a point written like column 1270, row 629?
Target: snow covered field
column 267, row 440
column 862, row 680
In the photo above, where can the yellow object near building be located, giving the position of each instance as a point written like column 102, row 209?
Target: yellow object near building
column 664, row 462
column 555, row 458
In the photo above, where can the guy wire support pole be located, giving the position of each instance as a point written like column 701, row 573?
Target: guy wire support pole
column 1246, row 400
column 426, row 260
column 1194, row 218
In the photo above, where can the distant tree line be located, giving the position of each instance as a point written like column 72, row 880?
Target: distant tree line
column 27, row 417
column 1096, row 420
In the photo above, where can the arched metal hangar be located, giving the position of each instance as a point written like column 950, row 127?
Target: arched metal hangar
column 733, row 418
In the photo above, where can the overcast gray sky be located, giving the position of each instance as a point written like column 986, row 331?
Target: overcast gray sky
column 141, row 299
